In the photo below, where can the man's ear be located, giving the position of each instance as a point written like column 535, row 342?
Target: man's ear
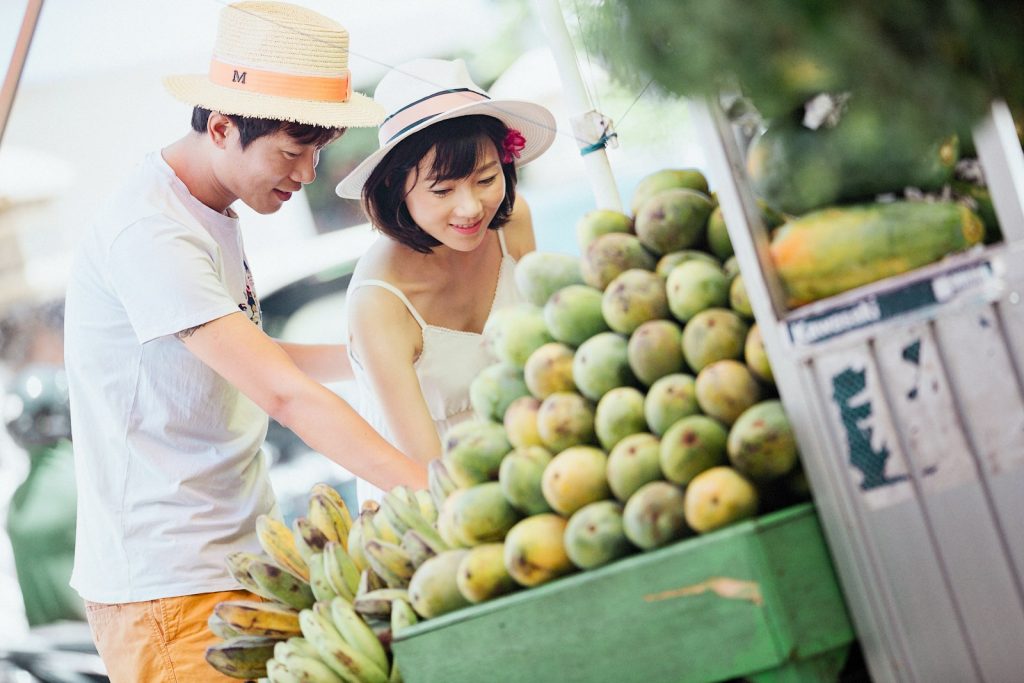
column 220, row 128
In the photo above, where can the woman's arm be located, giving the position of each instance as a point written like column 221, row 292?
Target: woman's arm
column 385, row 340
column 322, row 362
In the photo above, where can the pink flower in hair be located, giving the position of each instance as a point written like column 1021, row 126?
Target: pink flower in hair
column 512, row 145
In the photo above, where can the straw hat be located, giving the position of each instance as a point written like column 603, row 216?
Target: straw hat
column 423, row 92
column 278, row 61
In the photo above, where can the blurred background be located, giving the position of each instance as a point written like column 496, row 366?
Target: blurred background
column 90, row 105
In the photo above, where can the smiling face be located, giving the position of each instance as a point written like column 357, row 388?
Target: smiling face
column 457, row 211
column 268, row 171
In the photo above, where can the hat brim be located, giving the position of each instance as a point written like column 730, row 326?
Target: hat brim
column 358, row 112
column 535, row 122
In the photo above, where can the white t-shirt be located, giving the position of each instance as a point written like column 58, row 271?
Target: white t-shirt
column 167, row 453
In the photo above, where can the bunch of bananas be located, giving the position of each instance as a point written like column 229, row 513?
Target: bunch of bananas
column 333, row 590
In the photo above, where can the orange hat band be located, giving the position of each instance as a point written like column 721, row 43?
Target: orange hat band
column 248, row 79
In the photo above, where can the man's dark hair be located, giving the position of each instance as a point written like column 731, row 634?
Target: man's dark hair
column 459, row 145
column 252, row 128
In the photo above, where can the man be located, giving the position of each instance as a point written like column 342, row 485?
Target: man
column 171, row 376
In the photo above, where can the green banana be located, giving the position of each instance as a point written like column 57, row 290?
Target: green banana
column 411, row 518
column 402, row 616
column 439, row 482
column 297, row 645
column 241, row 657
column 283, row 585
column 345, row 660
column 277, row 540
column 390, row 562
column 377, row 603
column 263, row 619
column 396, row 675
column 357, row 634
column 417, row 548
column 277, row 672
column 341, row 571
column 318, row 581
column 238, row 566
column 428, row 509
column 221, row 628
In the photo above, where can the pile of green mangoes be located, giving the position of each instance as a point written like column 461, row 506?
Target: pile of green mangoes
column 633, row 405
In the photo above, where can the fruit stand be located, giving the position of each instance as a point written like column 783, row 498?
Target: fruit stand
column 905, row 397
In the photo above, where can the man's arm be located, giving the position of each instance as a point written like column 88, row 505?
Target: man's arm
column 258, row 367
column 322, row 362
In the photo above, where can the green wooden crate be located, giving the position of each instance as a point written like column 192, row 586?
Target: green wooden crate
column 757, row 600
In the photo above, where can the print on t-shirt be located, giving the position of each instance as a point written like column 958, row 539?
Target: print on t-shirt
column 252, row 308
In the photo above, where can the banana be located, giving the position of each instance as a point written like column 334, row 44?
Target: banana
column 342, row 572
column 324, row 516
column 318, row 581
column 377, row 526
column 308, row 538
column 377, row 603
column 221, row 628
column 283, row 585
column 390, row 562
column 303, row 662
column 238, row 566
column 334, row 497
column 355, row 543
column 253, row 618
column 345, row 660
column 402, row 616
column 277, row 540
column 357, row 634
column 369, row 505
column 241, row 657
column 410, row 517
column 427, row 507
column 419, row 550
column 369, row 581
column 396, row 675
column 439, row 482
column 279, row 673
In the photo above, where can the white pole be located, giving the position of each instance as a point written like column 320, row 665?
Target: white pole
column 587, row 124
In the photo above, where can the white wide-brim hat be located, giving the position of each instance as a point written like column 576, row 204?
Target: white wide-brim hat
column 423, row 92
column 274, row 60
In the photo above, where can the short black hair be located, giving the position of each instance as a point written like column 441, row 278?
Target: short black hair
column 458, row 145
column 251, row 128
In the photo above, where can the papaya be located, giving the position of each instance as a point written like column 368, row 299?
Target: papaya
column 796, row 169
column 830, row 251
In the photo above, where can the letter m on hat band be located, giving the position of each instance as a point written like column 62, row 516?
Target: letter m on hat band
column 317, row 88
column 415, row 113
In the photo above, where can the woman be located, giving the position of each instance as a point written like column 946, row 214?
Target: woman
column 441, row 188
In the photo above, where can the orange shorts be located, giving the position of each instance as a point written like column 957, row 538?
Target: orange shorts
column 158, row 641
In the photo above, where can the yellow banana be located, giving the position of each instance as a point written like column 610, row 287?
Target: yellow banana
column 357, row 633
column 355, row 543
column 241, row 657
column 377, row 603
column 334, row 497
column 427, row 507
column 382, row 528
column 283, row 585
column 308, row 539
column 253, row 618
column 402, row 616
column 345, row 660
column 277, row 540
column 390, row 562
column 318, row 581
column 321, row 514
column 339, row 565
column 369, row 581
